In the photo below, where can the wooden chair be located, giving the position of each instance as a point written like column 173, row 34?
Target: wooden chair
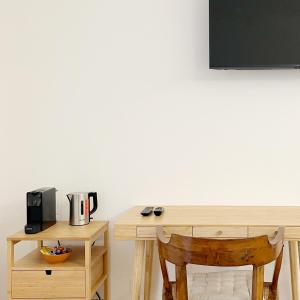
column 256, row 251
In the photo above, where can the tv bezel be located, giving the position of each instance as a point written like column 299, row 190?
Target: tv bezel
column 245, row 67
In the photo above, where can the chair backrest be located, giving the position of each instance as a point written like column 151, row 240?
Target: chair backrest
column 183, row 250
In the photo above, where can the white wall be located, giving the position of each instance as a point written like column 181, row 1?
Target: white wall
column 116, row 96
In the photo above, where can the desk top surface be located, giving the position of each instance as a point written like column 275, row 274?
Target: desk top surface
column 63, row 231
column 214, row 216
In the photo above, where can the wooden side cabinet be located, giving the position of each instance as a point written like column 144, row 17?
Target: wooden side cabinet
column 78, row 278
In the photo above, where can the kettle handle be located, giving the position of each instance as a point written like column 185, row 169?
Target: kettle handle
column 95, row 201
column 69, row 196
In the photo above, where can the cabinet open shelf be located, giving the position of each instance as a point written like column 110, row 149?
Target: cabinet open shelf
column 35, row 261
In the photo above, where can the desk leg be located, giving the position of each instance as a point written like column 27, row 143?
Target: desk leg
column 106, row 266
column 294, row 267
column 148, row 269
column 138, row 269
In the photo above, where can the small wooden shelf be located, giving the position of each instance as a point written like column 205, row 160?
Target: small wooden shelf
column 34, row 260
column 87, row 269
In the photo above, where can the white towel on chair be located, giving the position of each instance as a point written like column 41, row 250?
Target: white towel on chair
column 227, row 285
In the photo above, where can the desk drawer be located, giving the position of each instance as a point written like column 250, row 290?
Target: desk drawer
column 150, row 231
column 220, row 232
column 37, row 284
column 257, row 231
column 290, row 233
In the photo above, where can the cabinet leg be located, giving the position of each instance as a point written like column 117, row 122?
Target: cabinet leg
column 88, row 259
column 10, row 263
column 138, row 269
column 294, row 269
column 40, row 244
column 148, row 269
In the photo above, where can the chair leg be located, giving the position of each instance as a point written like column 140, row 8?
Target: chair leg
column 258, row 283
column 269, row 293
column 170, row 297
column 273, row 296
column 181, row 283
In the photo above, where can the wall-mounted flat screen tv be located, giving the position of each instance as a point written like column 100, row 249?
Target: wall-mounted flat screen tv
column 254, row 34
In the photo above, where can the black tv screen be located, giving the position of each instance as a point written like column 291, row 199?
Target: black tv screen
column 254, row 34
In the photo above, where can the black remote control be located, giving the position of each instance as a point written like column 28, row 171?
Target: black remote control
column 147, row 211
column 158, row 211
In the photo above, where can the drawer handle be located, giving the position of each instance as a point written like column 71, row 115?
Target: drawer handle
column 48, row 272
column 220, row 232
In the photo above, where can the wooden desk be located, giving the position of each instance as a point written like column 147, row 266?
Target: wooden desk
column 79, row 277
column 207, row 221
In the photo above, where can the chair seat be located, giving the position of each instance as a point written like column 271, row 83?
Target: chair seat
column 227, row 285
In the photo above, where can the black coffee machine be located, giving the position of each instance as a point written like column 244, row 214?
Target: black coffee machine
column 41, row 210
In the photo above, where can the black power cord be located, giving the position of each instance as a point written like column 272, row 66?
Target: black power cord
column 98, row 296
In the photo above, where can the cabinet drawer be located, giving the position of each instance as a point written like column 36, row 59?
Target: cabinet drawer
column 150, row 231
column 220, row 232
column 58, row 284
